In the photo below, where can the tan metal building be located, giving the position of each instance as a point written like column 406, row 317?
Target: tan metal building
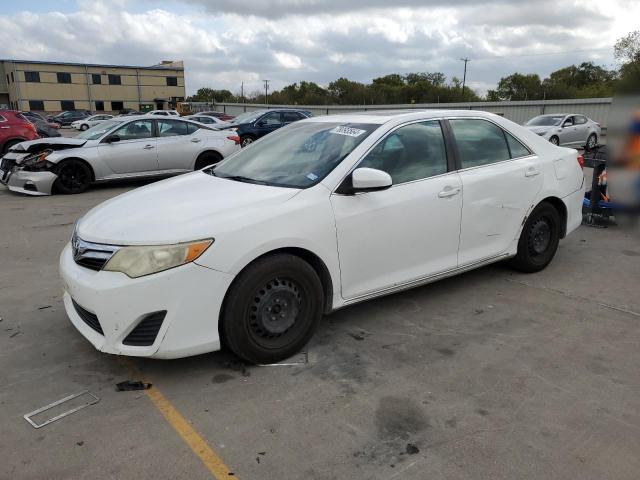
column 57, row 86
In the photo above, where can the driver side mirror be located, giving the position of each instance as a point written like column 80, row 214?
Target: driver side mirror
column 370, row 180
column 112, row 138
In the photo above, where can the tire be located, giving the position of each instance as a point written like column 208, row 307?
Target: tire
column 10, row 144
column 246, row 140
column 539, row 239
column 74, row 176
column 207, row 158
column 272, row 309
column 555, row 140
column 592, row 142
column 84, row 127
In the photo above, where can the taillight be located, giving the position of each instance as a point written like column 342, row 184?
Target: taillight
column 31, row 127
column 235, row 138
column 581, row 161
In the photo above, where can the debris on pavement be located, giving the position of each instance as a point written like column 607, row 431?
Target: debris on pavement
column 129, row 385
column 91, row 401
column 45, row 307
column 412, row 449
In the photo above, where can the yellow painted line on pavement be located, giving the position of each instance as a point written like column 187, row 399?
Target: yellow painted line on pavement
column 189, row 435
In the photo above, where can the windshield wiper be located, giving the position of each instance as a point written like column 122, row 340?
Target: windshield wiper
column 240, row 178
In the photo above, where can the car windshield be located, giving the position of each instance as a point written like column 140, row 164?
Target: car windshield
column 248, row 117
column 545, row 121
column 297, row 156
column 97, row 131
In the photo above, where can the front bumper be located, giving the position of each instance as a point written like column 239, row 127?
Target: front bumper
column 192, row 296
column 31, row 183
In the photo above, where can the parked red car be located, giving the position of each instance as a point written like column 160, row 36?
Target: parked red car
column 14, row 128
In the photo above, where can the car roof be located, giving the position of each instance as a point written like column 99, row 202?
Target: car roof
column 383, row 116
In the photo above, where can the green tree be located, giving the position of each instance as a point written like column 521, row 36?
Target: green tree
column 517, row 86
column 206, row 94
column 627, row 52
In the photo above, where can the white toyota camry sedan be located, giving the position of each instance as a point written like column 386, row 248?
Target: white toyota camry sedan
column 321, row 214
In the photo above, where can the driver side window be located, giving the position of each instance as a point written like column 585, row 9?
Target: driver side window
column 568, row 122
column 135, row 130
column 412, row 152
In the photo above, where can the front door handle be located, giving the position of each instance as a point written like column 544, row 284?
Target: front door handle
column 5, row 127
column 448, row 192
column 532, row 172
column 196, row 140
column 148, row 147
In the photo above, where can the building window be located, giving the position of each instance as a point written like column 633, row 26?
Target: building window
column 115, row 80
column 67, row 105
column 32, row 77
column 172, row 81
column 99, row 106
column 36, row 105
column 64, row 77
column 116, row 106
column 96, row 78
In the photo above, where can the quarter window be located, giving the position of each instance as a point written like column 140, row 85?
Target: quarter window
column 410, row 153
column 479, row 142
column 172, row 128
column 135, row 130
column 63, row 77
column 32, row 77
column 516, row 148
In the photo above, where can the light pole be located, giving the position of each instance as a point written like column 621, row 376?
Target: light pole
column 464, row 76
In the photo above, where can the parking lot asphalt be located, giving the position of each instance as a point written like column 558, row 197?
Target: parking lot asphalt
column 488, row 375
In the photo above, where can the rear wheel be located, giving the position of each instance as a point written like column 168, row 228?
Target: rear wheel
column 592, row 142
column 74, row 176
column 539, row 239
column 272, row 309
column 555, row 140
column 207, row 158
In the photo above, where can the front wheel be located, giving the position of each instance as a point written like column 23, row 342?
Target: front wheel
column 84, row 127
column 74, row 176
column 272, row 309
column 539, row 239
column 245, row 141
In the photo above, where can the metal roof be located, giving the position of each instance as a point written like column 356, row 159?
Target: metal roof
column 100, row 65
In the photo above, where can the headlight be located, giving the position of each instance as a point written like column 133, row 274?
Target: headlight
column 140, row 261
column 36, row 161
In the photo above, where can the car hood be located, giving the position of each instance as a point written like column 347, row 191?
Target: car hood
column 539, row 129
column 34, row 146
column 189, row 207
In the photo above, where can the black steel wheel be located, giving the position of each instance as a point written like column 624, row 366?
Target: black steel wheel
column 207, row 158
column 555, row 140
column 592, row 142
column 74, row 176
column 272, row 309
column 246, row 141
column 539, row 239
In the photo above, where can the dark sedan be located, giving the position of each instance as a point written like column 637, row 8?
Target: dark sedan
column 67, row 118
column 250, row 126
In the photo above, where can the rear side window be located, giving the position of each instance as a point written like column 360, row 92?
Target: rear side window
column 579, row 120
column 479, row 142
column 516, row 148
column 192, row 128
column 288, row 117
column 171, row 128
column 410, row 153
column 271, row 119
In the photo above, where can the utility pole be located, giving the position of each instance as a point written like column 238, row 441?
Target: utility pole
column 464, row 77
column 266, row 91
column 242, row 91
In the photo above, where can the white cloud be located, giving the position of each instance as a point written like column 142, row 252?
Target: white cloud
column 288, row 60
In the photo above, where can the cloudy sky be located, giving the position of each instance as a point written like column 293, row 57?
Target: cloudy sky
column 225, row 42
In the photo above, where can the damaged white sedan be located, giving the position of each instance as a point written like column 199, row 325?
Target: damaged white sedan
column 121, row 148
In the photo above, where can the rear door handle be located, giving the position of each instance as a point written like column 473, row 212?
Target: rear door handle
column 148, row 147
column 532, row 173
column 448, row 192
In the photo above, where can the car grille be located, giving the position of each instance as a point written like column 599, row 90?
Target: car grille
column 89, row 318
column 146, row 331
column 91, row 255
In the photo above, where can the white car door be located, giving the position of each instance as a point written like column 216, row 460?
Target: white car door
column 500, row 180
column 582, row 129
column 409, row 231
column 133, row 152
column 178, row 144
column 570, row 134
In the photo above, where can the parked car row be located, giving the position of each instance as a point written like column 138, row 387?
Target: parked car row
column 118, row 148
column 316, row 216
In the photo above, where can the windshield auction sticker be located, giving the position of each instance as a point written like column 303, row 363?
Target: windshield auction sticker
column 348, row 131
